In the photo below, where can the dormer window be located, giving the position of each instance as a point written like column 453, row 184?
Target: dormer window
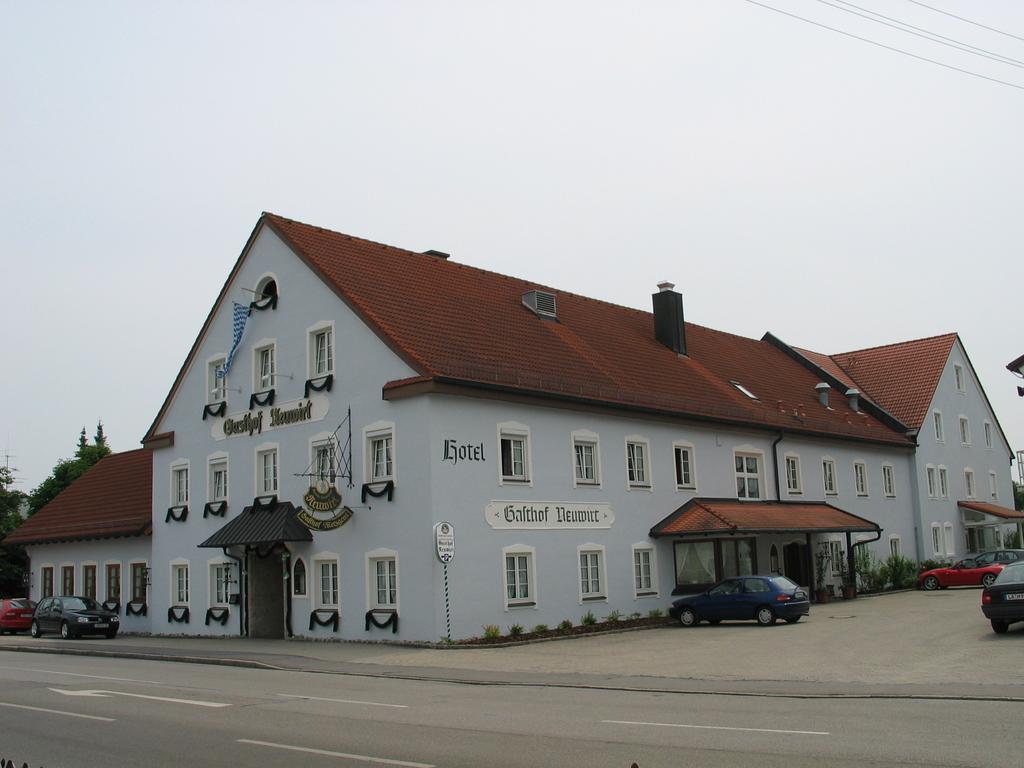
column 744, row 390
column 541, row 303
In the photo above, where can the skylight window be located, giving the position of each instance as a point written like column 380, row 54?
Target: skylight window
column 744, row 390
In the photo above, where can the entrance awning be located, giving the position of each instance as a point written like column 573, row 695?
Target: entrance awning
column 983, row 513
column 711, row 517
column 261, row 526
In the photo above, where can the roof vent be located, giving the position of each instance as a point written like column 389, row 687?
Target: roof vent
column 823, row 390
column 438, row 254
column 540, row 302
column 853, row 396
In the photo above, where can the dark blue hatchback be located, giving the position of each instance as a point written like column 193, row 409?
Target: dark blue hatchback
column 760, row 598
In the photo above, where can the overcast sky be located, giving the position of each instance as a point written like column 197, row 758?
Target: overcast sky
column 786, row 177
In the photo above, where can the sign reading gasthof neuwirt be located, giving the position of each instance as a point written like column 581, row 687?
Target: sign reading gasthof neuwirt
column 547, row 515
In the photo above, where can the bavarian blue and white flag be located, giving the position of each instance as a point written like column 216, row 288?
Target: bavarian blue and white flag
column 241, row 314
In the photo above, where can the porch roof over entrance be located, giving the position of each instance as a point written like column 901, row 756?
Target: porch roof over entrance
column 261, row 526
column 992, row 509
column 706, row 517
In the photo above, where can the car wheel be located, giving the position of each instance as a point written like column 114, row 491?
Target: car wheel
column 999, row 627
column 988, row 579
column 765, row 616
column 930, row 583
column 687, row 617
column 792, row 619
column 65, row 630
column 34, row 629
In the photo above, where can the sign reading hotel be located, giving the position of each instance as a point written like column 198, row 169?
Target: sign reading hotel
column 547, row 515
column 260, row 420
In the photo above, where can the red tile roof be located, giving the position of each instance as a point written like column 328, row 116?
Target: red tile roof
column 112, row 499
column 992, row 509
column 458, row 324
column 728, row 516
column 900, row 377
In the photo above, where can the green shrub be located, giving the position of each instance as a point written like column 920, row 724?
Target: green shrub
column 928, row 565
column 588, row 619
column 613, row 617
column 540, row 628
column 1012, row 541
column 515, row 630
column 492, row 631
column 655, row 613
column 565, row 624
column 901, row 572
column 872, row 575
column 635, row 615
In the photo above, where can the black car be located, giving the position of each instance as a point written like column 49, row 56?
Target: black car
column 1002, row 556
column 1003, row 602
column 761, row 598
column 73, row 616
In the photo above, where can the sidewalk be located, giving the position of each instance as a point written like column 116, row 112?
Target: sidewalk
column 909, row 644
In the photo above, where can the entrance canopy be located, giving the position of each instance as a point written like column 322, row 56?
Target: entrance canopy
column 261, row 526
column 983, row 513
column 716, row 517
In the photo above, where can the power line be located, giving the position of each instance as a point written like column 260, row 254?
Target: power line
column 928, row 35
column 888, row 47
column 961, row 18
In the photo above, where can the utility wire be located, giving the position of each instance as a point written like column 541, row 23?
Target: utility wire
column 961, row 18
column 888, row 47
column 927, row 35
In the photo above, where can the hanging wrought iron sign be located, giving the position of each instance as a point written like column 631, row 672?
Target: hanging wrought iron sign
column 322, row 497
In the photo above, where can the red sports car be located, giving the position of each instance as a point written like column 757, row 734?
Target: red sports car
column 965, row 573
column 16, row 614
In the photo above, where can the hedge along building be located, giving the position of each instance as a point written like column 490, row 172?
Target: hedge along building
column 590, row 457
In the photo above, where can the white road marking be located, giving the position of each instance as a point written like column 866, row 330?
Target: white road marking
column 105, row 694
column 343, row 701
column 719, row 728
column 94, row 677
column 58, row 712
column 327, row 753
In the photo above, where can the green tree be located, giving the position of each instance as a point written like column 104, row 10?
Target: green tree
column 1018, row 497
column 67, row 471
column 12, row 557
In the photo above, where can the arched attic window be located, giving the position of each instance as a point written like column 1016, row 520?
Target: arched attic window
column 265, row 293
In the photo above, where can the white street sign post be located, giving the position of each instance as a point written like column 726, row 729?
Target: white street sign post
column 444, row 545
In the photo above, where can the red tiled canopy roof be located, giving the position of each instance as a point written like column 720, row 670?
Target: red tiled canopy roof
column 112, row 499
column 729, row 516
column 992, row 509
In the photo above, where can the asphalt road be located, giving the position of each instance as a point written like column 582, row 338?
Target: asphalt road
column 78, row 711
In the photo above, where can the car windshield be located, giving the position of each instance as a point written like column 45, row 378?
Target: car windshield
column 80, row 604
column 1011, row 573
column 784, row 583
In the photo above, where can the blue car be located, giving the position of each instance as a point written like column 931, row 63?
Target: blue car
column 761, row 598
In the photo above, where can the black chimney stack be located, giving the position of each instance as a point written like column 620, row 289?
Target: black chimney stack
column 668, row 318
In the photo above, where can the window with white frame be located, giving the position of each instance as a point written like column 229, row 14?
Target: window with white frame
column 860, row 478
column 220, row 581
column 686, row 467
column 518, row 576
column 67, row 579
column 965, row 431
column 380, row 446
column 265, row 374
column 384, row 582
column 585, row 462
column 266, row 471
column 828, row 474
column 937, row 546
column 323, row 460
column 950, row 544
column 179, row 485
column 943, row 482
column 937, row 421
column 894, row 546
column 112, row 581
column 46, row 579
column 591, row 573
column 969, row 483
column 835, row 556
column 327, row 582
column 299, row 577
column 993, row 489
column 218, row 479
column 179, row 584
column 793, row 474
column 637, row 469
column 988, row 434
column 958, row 376
column 321, row 341
column 216, row 386
column 514, row 450
column 89, row 580
column 644, row 575
column 748, row 475
column 930, row 472
column 888, row 480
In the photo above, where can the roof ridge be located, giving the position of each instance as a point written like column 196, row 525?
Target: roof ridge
column 951, row 335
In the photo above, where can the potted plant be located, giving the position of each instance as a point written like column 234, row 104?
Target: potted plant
column 849, row 581
column 821, row 563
